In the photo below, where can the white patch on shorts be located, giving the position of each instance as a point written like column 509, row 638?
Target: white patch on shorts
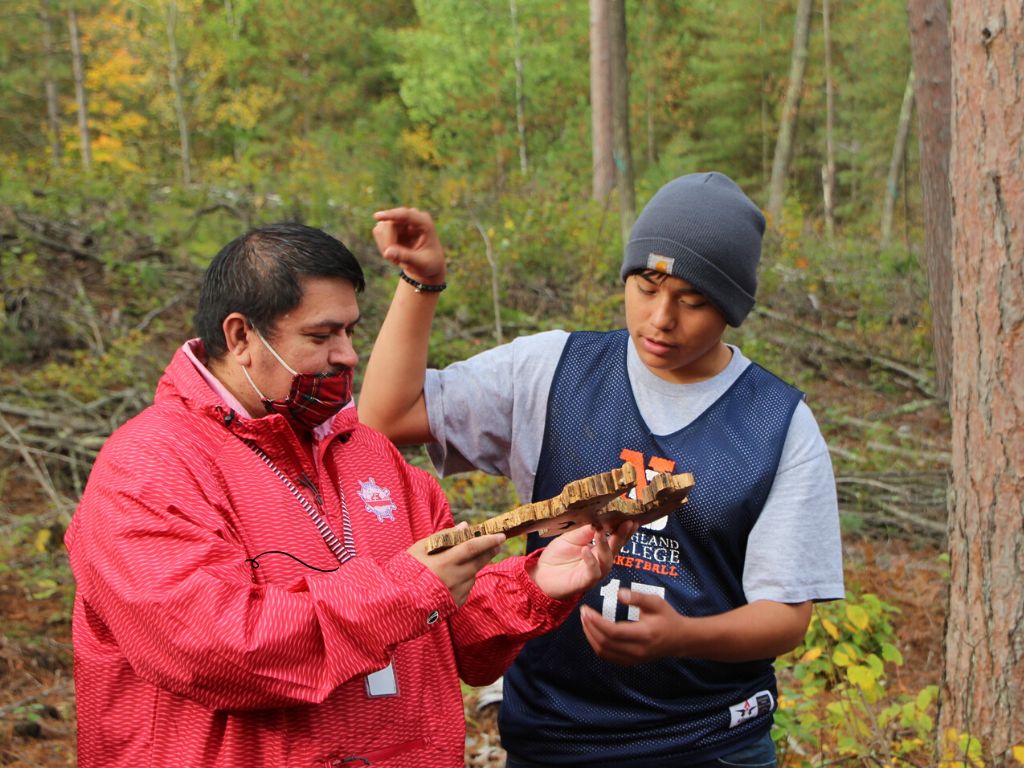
column 761, row 703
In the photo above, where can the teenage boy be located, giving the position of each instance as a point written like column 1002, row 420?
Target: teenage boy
column 668, row 662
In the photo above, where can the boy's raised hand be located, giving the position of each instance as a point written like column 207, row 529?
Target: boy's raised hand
column 408, row 238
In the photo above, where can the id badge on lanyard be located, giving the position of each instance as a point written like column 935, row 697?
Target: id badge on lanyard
column 382, row 682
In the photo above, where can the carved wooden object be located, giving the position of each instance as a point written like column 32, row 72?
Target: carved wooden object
column 596, row 500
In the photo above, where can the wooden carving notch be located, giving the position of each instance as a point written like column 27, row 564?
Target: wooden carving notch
column 596, row 500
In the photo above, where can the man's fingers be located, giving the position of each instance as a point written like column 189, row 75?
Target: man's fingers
column 622, row 533
column 592, row 560
column 387, row 236
column 479, row 547
column 581, row 535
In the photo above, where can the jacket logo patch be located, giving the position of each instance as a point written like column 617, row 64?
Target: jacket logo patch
column 377, row 500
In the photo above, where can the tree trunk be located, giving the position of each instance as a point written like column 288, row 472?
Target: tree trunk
column 929, row 38
column 498, row 136
column 899, row 151
column 492, row 262
column 765, row 151
column 79, row 72
column 524, row 166
column 601, row 101
column 650, row 18
column 828, row 171
column 623, row 153
column 179, row 101
column 233, row 75
column 790, row 112
column 983, row 683
column 52, row 104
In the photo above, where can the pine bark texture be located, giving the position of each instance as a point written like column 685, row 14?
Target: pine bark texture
column 983, row 684
column 790, row 112
column 929, row 39
column 601, row 100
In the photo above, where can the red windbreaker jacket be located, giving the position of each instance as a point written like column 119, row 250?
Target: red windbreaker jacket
column 213, row 626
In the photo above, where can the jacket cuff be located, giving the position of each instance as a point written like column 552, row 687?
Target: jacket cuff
column 428, row 598
column 547, row 612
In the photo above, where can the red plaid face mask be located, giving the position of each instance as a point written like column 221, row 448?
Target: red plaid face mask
column 313, row 398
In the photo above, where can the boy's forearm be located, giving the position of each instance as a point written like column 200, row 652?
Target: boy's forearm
column 759, row 630
column 391, row 399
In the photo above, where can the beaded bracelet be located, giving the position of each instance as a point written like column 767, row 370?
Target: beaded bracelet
column 422, row 287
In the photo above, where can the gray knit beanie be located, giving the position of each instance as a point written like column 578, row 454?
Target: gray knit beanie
column 703, row 229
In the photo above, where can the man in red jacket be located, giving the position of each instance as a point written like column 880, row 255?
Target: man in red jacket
column 253, row 587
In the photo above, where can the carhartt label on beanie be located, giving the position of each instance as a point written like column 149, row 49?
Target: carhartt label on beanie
column 703, row 229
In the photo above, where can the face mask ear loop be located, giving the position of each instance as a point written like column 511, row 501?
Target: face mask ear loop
column 274, row 353
column 253, row 383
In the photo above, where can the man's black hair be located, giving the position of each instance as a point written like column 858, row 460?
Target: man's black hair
column 259, row 274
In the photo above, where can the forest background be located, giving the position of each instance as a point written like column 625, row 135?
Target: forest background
column 139, row 136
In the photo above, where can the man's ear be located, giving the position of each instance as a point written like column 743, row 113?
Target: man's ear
column 236, row 337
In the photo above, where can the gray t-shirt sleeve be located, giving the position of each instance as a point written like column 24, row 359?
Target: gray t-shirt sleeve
column 794, row 552
column 488, row 412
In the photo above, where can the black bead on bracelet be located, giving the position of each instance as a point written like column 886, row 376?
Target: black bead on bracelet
column 422, row 287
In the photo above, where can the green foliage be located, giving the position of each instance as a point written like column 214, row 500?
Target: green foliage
column 877, row 297
column 476, row 496
column 734, row 65
column 457, row 70
column 35, row 553
column 835, row 703
column 91, row 376
column 262, row 81
column 844, row 635
column 20, row 275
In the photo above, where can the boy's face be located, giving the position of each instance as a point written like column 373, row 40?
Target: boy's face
column 676, row 331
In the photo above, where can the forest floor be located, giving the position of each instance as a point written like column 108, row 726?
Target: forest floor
column 37, row 718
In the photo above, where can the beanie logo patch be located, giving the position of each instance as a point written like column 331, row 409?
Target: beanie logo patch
column 660, row 263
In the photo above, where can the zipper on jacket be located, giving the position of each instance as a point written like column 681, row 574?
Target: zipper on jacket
column 306, row 482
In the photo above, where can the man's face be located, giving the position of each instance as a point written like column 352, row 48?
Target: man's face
column 315, row 337
column 677, row 332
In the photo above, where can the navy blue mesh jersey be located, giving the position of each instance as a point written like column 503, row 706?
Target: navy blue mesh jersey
column 562, row 704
